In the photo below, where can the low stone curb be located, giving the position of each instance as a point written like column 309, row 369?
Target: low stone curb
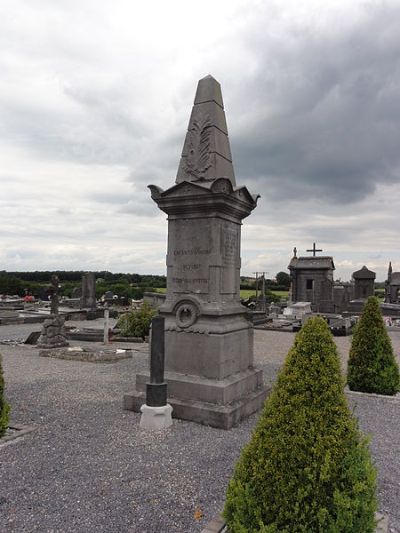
column 394, row 397
column 217, row 524
column 19, row 431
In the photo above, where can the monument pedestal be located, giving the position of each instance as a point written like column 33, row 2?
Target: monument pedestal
column 208, row 336
column 222, row 416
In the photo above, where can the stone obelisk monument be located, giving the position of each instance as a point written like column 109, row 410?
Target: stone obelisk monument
column 208, row 338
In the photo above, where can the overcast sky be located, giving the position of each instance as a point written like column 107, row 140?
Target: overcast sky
column 95, row 98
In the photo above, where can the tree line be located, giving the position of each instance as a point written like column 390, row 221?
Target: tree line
column 128, row 285
column 37, row 283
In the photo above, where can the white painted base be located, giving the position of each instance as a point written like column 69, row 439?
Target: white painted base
column 155, row 417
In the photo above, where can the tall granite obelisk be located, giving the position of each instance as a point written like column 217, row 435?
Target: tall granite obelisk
column 208, row 337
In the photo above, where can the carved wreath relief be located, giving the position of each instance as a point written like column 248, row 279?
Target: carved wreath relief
column 199, row 148
column 186, row 314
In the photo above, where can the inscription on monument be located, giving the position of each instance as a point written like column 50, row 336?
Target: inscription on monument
column 230, row 259
column 229, row 245
column 190, row 257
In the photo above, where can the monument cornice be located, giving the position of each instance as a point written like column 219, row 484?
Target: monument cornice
column 217, row 198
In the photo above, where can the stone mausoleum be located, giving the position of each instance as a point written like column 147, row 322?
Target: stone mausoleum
column 312, row 281
column 208, row 337
column 364, row 283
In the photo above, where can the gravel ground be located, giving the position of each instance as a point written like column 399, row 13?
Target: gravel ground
column 88, row 467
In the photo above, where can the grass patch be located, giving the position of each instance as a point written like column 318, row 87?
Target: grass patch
column 245, row 293
column 248, row 293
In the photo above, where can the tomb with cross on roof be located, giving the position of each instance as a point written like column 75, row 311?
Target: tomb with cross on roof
column 312, row 280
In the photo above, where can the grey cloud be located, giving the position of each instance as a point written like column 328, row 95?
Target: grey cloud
column 108, row 197
column 328, row 118
column 142, row 206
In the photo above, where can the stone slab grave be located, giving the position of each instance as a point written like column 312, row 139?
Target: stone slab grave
column 90, row 354
column 208, row 335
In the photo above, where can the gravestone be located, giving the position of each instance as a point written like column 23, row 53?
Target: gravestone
column 53, row 334
column 77, row 292
column 54, row 296
column 208, row 337
column 108, row 297
column 364, row 283
column 88, row 298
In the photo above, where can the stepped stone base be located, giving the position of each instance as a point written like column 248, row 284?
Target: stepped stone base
column 245, row 395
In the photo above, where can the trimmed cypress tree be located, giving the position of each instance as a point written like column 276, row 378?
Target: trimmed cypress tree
column 306, row 468
column 4, row 407
column 372, row 366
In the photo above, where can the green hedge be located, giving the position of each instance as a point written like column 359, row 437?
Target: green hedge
column 136, row 323
column 372, row 366
column 306, row 468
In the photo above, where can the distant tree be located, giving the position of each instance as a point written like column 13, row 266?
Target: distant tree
column 282, row 278
column 372, row 366
column 306, row 467
column 11, row 285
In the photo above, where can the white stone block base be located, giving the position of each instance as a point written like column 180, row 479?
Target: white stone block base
column 155, row 417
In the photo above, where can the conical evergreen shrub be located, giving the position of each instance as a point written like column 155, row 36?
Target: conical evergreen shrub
column 306, row 468
column 372, row 366
column 4, row 407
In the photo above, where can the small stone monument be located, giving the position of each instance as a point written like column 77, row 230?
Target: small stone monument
column 88, row 298
column 54, row 296
column 53, row 333
column 364, row 283
column 156, row 412
column 208, row 336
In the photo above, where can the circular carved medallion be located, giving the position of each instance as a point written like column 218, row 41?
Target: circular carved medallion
column 186, row 314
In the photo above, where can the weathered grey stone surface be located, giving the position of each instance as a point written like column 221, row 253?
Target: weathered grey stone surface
column 88, row 298
column 53, row 333
column 155, row 418
column 54, row 292
column 343, row 294
column 363, row 283
column 206, row 153
column 312, row 281
column 392, row 286
column 208, row 335
column 91, row 354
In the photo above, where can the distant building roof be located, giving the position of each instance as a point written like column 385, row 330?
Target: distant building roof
column 364, row 273
column 315, row 263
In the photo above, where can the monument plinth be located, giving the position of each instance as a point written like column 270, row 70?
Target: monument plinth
column 208, row 337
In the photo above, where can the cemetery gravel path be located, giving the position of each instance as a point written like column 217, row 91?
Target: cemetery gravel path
column 89, row 468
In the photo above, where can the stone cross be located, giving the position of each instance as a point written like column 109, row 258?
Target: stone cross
column 314, row 250
column 54, row 294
